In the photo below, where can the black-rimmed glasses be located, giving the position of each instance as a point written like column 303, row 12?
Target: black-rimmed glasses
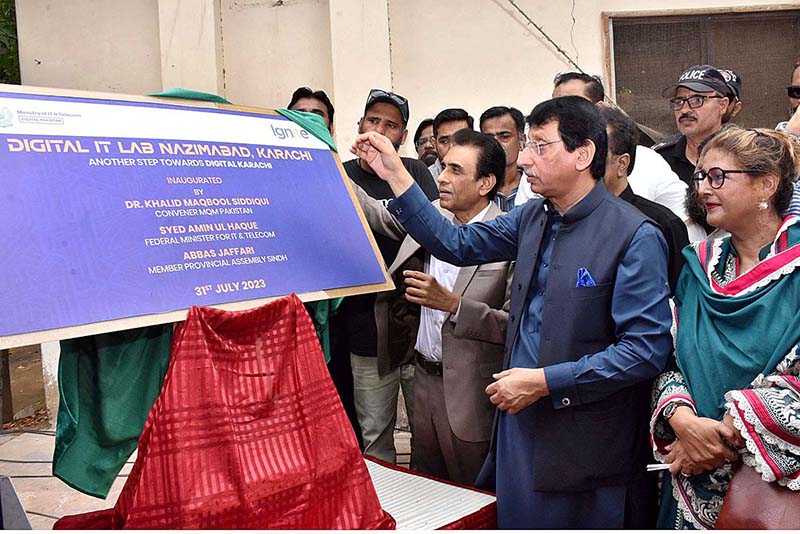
column 694, row 101
column 536, row 146
column 793, row 91
column 715, row 176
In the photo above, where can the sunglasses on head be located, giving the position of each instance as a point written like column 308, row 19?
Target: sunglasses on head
column 399, row 101
column 793, row 91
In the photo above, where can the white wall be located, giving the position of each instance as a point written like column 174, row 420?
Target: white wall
column 100, row 45
column 270, row 49
column 480, row 53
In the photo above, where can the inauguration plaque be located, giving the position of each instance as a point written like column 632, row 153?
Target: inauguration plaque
column 119, row 212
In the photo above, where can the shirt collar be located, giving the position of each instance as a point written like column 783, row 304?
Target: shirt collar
column 679, row 149
column 481, row 214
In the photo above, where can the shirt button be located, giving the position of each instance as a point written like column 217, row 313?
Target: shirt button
column 513, row 318
column 519, row 286
column 544, row 265
column 565, row 401
column 540, row 293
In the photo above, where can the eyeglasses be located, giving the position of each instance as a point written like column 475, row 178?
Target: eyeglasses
column 793, row 91
column 715, row 176
column 424, row 141
column 694, row 101
column 536, row 146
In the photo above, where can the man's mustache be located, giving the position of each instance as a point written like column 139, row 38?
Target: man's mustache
column 687, row 116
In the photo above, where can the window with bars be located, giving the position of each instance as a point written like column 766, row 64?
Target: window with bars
column 649, row 53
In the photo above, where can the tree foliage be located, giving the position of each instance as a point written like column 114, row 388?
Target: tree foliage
column 9, row 52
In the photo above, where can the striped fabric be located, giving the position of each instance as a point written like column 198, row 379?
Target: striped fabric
column 794, row 205
column 248, row 433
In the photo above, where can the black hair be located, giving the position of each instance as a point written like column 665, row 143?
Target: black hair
column 491, row 156
column 306, row 92
column 499, row 111
column 424, row 124
column 623, row 136
column 594, row 85
column 579, row 121
column 451, row 115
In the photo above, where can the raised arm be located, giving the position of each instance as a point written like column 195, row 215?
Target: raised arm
column 470, row 244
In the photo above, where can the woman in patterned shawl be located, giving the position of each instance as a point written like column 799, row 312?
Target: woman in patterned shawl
column 733, row 393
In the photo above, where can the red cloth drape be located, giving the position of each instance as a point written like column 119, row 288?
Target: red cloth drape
column 248, row 433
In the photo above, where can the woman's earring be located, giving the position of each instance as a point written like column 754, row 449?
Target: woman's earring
column 763, row 205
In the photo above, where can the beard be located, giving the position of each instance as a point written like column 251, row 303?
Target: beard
column 694, row 206
column 429, row 157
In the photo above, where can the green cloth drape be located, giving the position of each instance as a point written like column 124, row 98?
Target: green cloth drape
column 311, row 122
column 107, row 384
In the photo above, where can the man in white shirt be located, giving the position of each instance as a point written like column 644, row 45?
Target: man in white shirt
column 455, row 325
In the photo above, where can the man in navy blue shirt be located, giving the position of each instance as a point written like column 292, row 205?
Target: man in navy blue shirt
column 588, row 326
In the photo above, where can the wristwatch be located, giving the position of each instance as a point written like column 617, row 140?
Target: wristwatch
column 672, row 407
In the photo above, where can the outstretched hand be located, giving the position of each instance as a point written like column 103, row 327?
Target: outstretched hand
column 380, row 154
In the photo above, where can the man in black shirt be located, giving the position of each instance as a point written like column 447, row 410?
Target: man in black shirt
column 622, row 136
column 699, row 101
column 375, row 395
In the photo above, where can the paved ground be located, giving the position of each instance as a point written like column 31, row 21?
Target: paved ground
column 402, row 442
column 26, row 457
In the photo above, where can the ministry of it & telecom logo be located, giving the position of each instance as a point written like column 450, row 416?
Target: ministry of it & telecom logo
column 6, row 117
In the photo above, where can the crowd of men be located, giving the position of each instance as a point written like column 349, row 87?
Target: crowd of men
column 526, row 343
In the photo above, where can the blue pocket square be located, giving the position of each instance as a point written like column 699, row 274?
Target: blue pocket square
column 584, row 278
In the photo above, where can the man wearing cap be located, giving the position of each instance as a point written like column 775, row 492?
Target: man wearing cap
column 425, row 142
column 699, row 102
column 375, row 395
